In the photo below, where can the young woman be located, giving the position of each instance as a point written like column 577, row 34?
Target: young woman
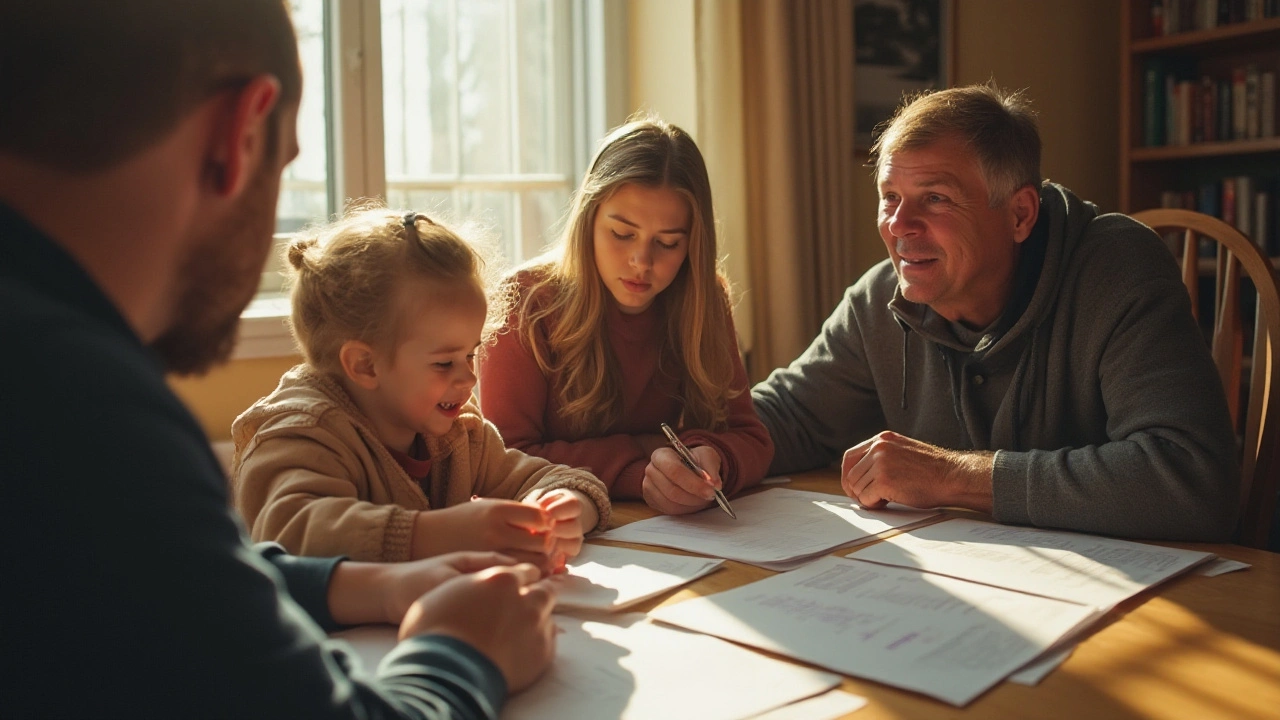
column 627, row 324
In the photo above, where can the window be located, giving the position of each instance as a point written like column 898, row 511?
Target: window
column 306, row 189
column 483, row 110
column 477, row 115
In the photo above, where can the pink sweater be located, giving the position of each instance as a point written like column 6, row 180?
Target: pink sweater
column 517, row 398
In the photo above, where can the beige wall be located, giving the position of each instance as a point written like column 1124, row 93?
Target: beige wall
column 685, row 63
column 1066, row 54
column 217, row 398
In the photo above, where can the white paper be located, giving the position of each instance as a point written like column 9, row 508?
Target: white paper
column 777, row 526
column 630, row 668
column 370, row 642
column 1033, row 672
column 1085, row 569
column 827, row 706
column 946, row 638
column 1221, row 566
column 611, row 578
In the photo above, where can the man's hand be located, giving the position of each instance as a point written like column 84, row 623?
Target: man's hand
column 673, row 489
column 892, row 468
column 362, row 592
column 503, row 612
column 517, row 530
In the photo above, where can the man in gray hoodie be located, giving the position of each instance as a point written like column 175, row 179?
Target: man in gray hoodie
column 1018, row 353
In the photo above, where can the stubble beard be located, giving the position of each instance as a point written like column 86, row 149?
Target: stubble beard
column 219, row 278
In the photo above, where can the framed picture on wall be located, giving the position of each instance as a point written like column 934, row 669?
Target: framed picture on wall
column 901, row 47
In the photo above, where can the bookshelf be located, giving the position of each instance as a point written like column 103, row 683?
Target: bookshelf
column 1197, row 111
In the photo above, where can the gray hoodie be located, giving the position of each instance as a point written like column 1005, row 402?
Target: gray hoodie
column 1095, row 387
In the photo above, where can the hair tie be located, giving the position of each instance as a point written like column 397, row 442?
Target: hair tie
column 411, row 220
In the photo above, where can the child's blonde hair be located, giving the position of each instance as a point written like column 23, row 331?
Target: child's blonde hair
column 570, row 296
column 345, row 277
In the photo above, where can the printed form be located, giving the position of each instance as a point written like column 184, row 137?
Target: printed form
column 778, row 529
column 946, row 638
column 1086, row 569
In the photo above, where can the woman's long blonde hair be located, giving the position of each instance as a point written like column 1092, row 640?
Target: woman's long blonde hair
column 569, row 297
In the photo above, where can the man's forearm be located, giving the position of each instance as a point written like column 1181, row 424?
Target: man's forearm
column 970, row 480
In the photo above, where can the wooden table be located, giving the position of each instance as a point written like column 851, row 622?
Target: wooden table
column 1194, row 647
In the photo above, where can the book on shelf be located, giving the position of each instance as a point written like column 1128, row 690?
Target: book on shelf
column 1178, row 109
column 1169, row 17
column 1153, row 99
column 1229, row 206
column 1245, row 202
column 1252, row 106
column 1239, row 104
column 1208, row 110
column 1262, row 223
column 1267, row 104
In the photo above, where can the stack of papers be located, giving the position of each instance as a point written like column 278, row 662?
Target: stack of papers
column 609, row 579
column 946, row 638
column 778, row 529
column 948, row 610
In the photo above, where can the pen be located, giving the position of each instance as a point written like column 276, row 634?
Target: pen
column 687, row 458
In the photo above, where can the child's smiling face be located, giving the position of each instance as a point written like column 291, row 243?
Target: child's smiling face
column 423, row 385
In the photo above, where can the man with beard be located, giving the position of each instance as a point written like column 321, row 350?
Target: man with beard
column 141, row 147
column 1018, row 353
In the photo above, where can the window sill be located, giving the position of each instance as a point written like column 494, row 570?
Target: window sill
column 264, row 330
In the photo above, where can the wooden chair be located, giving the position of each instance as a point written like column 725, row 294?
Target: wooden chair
column 1260, row 463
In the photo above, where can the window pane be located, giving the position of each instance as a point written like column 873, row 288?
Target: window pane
column 427, row 202
column 496, row 211
column 538, row 93
column 484, row 86
column 418, row 82
column 541, row 219
column 304, row 188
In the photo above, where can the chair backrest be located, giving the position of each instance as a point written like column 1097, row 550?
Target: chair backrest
column 1260, row 414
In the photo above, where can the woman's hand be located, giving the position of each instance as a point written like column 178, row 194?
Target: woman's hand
column 673, row 489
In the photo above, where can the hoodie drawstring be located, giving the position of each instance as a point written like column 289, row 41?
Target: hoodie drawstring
column 905, row 349
column 1026, row 366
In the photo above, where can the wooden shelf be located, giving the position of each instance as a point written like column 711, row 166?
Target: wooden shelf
column 1204, row 149
column 1232, row 37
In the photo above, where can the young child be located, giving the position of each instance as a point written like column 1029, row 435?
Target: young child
column 627, row 324
column 372, row 448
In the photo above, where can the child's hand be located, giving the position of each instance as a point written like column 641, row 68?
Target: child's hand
column 517, row 530
column 572, row 514
column 671, row 488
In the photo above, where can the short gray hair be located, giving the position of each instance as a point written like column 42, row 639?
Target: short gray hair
column 998, row 126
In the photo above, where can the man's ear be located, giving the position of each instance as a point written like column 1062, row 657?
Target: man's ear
column 1025, row 208
column 241, row 135
column 357, row 363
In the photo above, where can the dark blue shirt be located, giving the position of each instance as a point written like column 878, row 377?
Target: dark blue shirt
column 126, row 586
